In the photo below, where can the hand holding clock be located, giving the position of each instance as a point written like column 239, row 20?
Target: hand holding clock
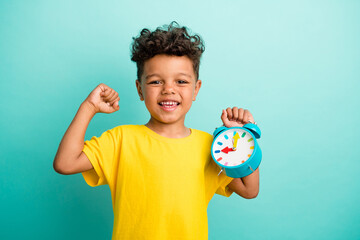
column 236, row 117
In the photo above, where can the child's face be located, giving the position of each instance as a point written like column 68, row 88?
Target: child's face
column 168, row 86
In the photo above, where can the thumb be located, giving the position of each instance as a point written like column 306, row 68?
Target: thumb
column 224, row 118
column 116, row 105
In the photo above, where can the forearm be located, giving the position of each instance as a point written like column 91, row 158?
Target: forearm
column 251, row 183
column 72, row 143
column 247, row 187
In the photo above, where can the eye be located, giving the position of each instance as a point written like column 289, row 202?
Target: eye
column 154, row 82
column 182, row 81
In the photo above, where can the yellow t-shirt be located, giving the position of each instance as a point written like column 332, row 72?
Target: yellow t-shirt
column 160, row 187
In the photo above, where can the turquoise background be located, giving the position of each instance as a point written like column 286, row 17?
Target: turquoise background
column 293, row 64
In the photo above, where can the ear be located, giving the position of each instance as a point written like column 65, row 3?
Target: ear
column 138, row 87
column 197, row 88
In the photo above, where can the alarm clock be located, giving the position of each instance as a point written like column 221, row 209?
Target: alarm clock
column 236, row 150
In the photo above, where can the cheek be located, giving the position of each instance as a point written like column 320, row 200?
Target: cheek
column 191, row 94
column 146, row 93
column 150, row 98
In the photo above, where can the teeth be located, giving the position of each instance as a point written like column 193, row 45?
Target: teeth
column 168, row 103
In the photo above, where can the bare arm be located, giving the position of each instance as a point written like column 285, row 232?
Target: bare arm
column 69, row 158
column 246, row 187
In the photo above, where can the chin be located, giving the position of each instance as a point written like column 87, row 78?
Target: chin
column 168, row 120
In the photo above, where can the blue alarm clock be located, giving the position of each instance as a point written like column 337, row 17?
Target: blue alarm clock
column 236, row 150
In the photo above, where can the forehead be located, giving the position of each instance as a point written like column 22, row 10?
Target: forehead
column 165, row 65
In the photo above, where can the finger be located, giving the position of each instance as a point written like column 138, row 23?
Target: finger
column 248, row 117
column 104, row 91
column 102, row 87
column 229, row 114
column 111, row 108
column 241, row 115
column 116, row 105
column 235, row 113
column 109, row 96
column 116, row 100
column 114, row 97
column 224, row 118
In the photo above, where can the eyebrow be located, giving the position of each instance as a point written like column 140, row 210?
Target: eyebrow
column 157, row 75
column 152, row 75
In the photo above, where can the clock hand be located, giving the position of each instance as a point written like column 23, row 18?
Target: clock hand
column 235, row 138
column 227, row 150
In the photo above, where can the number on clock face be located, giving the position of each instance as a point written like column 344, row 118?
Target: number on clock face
column 233, row 147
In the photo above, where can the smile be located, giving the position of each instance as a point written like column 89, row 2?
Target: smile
column 169, row 105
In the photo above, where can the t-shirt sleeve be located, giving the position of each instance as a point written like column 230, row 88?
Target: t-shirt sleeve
column 217, row 183
column 224, row 189
column 101, row 152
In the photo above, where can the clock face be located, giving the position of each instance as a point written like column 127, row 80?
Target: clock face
column 233, row 147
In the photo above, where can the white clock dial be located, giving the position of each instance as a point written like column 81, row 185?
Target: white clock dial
column 233, row 147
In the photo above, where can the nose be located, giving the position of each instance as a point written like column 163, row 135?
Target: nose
column 168, row 88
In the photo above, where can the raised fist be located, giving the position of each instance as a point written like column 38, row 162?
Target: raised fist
column 104, row 99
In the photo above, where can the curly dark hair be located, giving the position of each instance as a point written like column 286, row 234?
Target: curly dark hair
column 171, row 40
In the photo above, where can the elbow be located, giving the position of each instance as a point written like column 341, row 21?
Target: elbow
column 250, row 194
column 59, row 168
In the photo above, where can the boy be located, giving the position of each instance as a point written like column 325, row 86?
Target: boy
column 160, row 174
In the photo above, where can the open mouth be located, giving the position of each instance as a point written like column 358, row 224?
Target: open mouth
column 168, row 103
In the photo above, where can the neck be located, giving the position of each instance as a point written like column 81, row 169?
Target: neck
column 170, row 130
